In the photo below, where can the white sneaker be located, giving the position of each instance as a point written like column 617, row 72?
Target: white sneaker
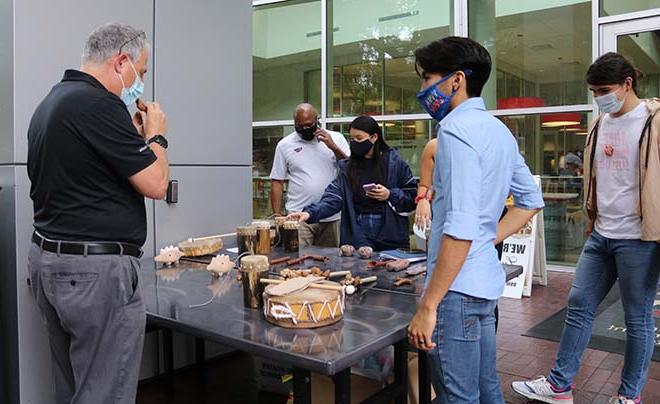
column 623, row 400
column 541, row 390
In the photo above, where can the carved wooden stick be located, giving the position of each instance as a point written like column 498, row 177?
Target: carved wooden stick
column 320, row 258
column 280, row 260
column 402, row 281
column 311, row 285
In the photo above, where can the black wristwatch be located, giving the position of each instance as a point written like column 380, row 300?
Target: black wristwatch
column 160, row 139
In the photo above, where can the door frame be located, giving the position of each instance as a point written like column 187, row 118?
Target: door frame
column 609, row 32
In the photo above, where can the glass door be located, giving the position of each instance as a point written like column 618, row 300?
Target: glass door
column 639, row 41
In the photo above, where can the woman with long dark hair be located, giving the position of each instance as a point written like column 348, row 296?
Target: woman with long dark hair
column 621, row 177
column 374, row 190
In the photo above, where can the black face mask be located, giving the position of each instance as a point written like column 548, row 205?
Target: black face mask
column 307, row 133
column 360, row 149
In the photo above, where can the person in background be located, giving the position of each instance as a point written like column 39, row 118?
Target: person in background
column 374, row 191
column 90, row 167
column 478, row 165
column 621, row 183
column 307, row 159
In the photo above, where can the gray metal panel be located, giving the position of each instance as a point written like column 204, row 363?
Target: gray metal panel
column 6, row 82
column 8, row 319
column 33, row 350
column 204, row 79
column 50, row 37
column 212, row 200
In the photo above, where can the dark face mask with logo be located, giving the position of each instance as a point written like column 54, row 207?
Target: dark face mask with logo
column 360, row 149
column 307, row 133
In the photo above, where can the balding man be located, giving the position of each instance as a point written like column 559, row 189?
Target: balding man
column 307, row 159
column 91, row 166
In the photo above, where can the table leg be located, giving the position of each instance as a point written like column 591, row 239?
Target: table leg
column 342, row 382
column 424, row 380
column 401, row 370
column 302, row 386
column 168, row 352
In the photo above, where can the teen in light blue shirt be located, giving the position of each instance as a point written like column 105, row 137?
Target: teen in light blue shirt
column 477, row 166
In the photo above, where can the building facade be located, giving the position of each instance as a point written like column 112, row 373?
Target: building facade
column 351, row 57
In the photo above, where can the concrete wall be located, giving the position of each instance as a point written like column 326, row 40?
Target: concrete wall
column 200, row 72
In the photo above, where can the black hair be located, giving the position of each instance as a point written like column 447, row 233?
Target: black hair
column 453, row 53
column 369, row 125
column 613, row 68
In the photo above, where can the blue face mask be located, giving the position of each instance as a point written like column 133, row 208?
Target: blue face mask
column 435, row 102
column 131, row 94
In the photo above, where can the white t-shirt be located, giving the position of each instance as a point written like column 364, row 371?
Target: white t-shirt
column 617, row 174
column 310, row 166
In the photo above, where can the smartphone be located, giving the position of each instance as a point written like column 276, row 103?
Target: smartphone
column 368, row 187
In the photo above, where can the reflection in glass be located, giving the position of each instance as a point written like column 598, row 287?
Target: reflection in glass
column 553, row 146
column 614, row 7
column 286, row 49
column 264, row 141
column 539, row 51
column 643, row 51
column 371, row 57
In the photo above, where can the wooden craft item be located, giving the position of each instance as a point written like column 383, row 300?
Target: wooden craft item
column 346, row 250
column 292, row 285
column 365, row 252
column 196, row 247
column 263, row 236
column 402, row 281
column 220, row 265
column 169, row 255
column 278, row 261
column 253, row 269
column 309, row 308
column 416, row 271
column 246, row 239
column 397, row 265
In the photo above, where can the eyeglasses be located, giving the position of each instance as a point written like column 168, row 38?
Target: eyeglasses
column 131, row 40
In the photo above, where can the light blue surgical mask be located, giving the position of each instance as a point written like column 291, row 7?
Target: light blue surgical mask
column 135, row 91
column 609, row 103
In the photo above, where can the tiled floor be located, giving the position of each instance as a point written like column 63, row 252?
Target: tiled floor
column 523, row 357
column 518, row 358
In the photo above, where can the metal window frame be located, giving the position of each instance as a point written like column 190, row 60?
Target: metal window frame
column 460, row 21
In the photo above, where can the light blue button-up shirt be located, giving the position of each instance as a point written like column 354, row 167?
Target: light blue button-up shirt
column 477, row 166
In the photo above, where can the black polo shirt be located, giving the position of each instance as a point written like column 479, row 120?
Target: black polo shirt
column 82, row 148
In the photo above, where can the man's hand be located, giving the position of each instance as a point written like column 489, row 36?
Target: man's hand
column 379, row 193
column 421, row 328
column 154, row 119
column 325, row 137
column 298, row 216
column 138, row 121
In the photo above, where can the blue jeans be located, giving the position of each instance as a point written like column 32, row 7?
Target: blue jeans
column 635, row 264
column 463, row 362
column 371, row 225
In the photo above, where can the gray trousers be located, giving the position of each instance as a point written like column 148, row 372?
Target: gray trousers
column 95, row 316
column 322, row 234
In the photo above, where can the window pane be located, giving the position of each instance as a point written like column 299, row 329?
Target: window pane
column 371, row 64
column 643, row 51
column 540, row 52
column 409, row 137
column 286, row 48
column 614, row 7
column 553, row 146
column 264, row 141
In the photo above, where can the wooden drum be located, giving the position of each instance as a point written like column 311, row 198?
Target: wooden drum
column 309, row 308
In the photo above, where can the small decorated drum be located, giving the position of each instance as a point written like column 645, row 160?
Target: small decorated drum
column 246, row 238
column 290, row 236
column 263, row 236
column 253, row 269
column 309, row 308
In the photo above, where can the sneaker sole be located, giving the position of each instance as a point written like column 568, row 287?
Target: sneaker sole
column 536, row 397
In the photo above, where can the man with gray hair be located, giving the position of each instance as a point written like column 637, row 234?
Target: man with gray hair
column 90, row 167
column 307, row 159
